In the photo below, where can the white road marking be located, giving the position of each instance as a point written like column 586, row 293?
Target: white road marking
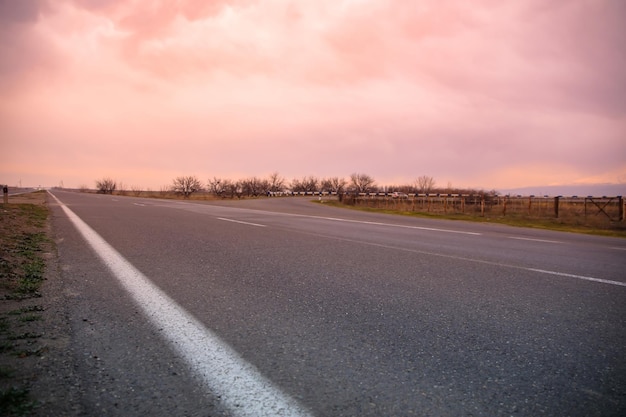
column 241, row 387
column 431, row 229
column 139, row 204
column 241, row 222
column 556, row 273
column 337, row 219
column 563, row 274
column 480, row 261
column 617, row 248
column 534, row 240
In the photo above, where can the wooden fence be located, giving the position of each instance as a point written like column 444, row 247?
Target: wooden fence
column 578, row 210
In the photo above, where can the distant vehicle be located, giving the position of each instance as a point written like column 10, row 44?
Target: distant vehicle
column 399, row 195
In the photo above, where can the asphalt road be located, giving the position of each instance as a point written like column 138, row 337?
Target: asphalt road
column 346, row 313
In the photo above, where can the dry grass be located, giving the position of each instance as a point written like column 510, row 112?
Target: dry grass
column 599, row 216
column 24, row 246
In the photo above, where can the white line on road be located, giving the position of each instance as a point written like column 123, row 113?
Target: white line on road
column 337, row 219
column 533, row 240
column 403, row 226
column 581, row 277
column 480, row 261
column 563, row 274
column 432, row 229
column 139, row 204
column 241, row 387
column 241, row 222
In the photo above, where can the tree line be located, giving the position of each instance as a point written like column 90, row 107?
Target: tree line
column 275, row 184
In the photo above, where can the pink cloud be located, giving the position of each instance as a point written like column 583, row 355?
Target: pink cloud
column 466, row 93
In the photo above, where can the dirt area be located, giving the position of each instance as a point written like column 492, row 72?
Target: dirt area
column 36, row 369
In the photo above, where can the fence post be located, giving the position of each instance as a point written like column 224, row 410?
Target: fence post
column 556, row 207
column 482, row 206
column 5, row 193
column 621, row 208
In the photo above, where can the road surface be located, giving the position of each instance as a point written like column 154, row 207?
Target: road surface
column 284, row 307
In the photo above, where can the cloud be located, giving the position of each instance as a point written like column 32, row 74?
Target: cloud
column 23, row 51
column 466, row 93
column 21, row 12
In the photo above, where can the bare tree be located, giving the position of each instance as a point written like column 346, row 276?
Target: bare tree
column 362, row 183
column 306, row 184
column 334, row 185
column 311, row 184
column 276, row 182
column 296, row 185
column 233, row 188
column 186, row 185
column 106, row 185
column 224, row 187
column 425, row 184
column 254, row 186
column 218, row 186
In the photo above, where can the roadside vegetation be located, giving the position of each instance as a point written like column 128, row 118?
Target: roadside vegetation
column 596, row 215
column 569, row 222
column 190, row 186
column 23, row 247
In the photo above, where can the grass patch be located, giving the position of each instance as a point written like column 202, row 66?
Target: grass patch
column 6, row 372
column 23, row 245
column 25, row 336
column 29, row 309
column 16, row 402
column 30, row 352
column 30, row 317
column 6, row 346
column 618, row 230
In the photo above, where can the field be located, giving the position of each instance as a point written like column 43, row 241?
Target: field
column 603, row 215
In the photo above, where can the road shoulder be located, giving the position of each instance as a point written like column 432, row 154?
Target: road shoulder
column 38, row 377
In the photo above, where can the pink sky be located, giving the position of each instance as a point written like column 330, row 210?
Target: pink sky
column 482, row 94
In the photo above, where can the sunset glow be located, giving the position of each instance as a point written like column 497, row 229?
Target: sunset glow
column 477, row 94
